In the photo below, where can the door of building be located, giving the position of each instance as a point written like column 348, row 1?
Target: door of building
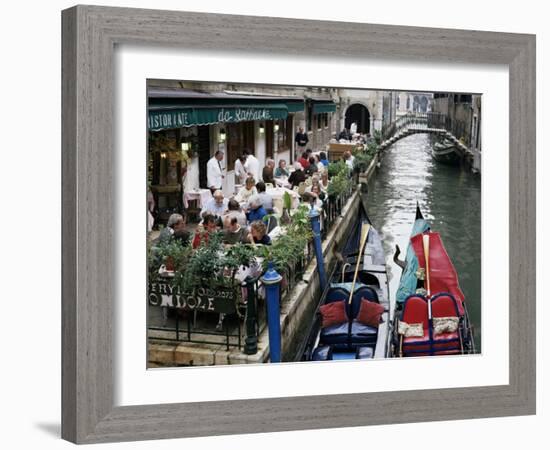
column 269, row 139
column 204, row 153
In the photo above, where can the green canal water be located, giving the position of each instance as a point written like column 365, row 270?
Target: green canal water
column 450, row 199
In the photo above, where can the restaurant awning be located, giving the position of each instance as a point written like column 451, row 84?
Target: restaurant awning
column 323, row 107
column 166, row 118
column 180, row 108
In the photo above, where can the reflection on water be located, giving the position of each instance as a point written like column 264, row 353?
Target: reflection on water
column 450, row 199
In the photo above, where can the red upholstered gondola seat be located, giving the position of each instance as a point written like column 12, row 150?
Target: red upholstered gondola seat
column 444, row 305
column 415, row 310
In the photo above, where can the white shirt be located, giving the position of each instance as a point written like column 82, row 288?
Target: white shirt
column 349, row 162
column 214, row 175
column 213, row 208
column 252, row 166
column 244, row 194
column 240, row 172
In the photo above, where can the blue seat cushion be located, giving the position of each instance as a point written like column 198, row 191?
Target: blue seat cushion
column 364, row 353
column 335, row 334
column 361, row 333
column 322, row 354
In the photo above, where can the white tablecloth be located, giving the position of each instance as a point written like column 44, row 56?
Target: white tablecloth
column 202, row 195
column 282, row 182
column 277, row 196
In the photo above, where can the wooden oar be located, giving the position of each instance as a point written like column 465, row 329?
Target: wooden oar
column 426, row 243
column 364, row 234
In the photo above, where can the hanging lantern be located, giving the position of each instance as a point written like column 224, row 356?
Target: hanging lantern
column 222, row 135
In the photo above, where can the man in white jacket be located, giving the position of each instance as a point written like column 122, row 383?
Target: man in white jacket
column 252, row 165
column 214, row 174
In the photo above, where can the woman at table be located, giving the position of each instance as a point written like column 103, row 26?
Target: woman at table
column 316, row 190
column 304, row 160
column 298, row 176
column 255, row 209
column 281, row 171
column 324, row 181
column 315, row 182
column 312, row 168
column 258, row 233
column 203, row 232
column 267, row 172
column 313, row 200
column 247, row 191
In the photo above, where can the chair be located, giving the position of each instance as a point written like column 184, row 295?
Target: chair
column 271, row 222
column 415, row 310
column 336, row 335
column 448, row 343
column 361, row 334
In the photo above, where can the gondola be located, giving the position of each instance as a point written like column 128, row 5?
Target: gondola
column 357, row 300
column 446, row 153
column 430, row 316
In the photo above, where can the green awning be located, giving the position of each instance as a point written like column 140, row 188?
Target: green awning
column 295, row 106
column 163, row 118
column 323, row 107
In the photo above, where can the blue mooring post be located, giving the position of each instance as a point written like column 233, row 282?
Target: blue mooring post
column 272, row 280
column 315, row 218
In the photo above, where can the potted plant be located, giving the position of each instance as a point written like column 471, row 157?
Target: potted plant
column 287, row 206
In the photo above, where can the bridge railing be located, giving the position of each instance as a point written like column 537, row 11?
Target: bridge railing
column 435, row 120
column 406, row 121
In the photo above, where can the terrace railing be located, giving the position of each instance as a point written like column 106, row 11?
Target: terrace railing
column 192, row 318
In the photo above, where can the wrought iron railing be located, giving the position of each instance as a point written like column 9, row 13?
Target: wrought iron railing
column 430, row 120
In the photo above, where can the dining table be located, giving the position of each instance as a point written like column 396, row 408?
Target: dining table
column 201, row 196
column 277, row 194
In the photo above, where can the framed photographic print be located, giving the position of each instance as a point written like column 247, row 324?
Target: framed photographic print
column 248, row 225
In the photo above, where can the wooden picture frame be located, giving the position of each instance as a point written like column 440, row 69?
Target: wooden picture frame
column 90, row 34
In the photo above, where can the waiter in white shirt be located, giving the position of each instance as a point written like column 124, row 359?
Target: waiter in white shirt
column 240, row 171
column 252, row 165
column 214, row 175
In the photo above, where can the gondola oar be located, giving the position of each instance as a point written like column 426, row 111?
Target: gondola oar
column 364, row 234
column 426, row 242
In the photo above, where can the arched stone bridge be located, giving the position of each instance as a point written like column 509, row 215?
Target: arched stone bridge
column 430, row 123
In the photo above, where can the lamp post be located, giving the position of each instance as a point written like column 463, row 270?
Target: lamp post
column 272, row 280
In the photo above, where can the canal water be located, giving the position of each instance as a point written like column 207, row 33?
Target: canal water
column 450, row 199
